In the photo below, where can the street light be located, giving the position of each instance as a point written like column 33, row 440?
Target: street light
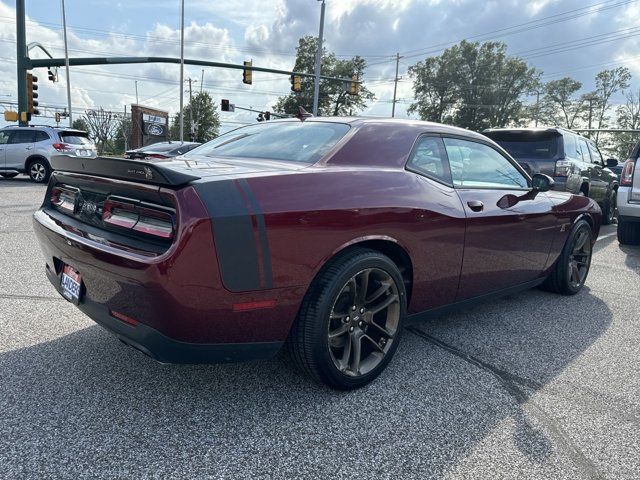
column 181, row 70
column 316, row 80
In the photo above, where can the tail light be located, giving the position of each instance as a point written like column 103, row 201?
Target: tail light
column 64, row 198
column 563, row 168
column 139, row 217
column 62, row 147
column 626, row 178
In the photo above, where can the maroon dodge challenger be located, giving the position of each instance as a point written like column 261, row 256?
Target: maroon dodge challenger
column 323, row 236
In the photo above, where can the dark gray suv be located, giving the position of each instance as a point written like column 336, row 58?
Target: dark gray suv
column 29, row 149
column 573, row 161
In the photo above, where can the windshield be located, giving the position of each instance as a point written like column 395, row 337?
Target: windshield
column 527, row 146
column 304, row 142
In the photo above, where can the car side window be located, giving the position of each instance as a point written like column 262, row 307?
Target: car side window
column 596, row 156
column 41, row 136
column 22, row 136
column 429, row 159
column 571, row 147
column 476, row 165
column 4, row 137
column 582, row 146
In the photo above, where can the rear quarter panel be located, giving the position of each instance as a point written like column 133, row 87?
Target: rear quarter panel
column 313, row 215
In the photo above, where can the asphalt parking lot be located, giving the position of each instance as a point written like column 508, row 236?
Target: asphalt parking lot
column 530, row 386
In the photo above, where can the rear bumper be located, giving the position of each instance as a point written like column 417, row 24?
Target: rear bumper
column 167, row 350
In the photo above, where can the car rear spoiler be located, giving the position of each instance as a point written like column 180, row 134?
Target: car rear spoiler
column 153, row 173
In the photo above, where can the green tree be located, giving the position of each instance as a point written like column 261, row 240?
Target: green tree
column 121, row 138
column 608, row 83
column 628, row 117
column 562, row 104
column 80, row 124
column 472, row 85
column 206, row 120
column 333, row 99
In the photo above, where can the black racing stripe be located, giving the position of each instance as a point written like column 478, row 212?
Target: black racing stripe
column 262, row 233
column 233, row 234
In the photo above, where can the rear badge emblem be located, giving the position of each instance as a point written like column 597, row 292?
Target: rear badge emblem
column 148, row 174
column 88, row 208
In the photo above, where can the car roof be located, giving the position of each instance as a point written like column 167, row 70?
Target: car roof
column 382, row 121
column 50, row 127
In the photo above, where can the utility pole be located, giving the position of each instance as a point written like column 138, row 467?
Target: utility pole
column 395, row 86
column 124, row 130
column 190, row 112
column 537, row 106
column 181, row 70
column 66, row 65
column 137, row 92
column 202, row 80
column 21, row 59
column 316, row 81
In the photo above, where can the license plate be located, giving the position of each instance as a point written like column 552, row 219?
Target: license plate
column 83, row 153
column 70, row 284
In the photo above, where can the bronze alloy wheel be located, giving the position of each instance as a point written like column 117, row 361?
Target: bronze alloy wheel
column 363, row 322
column 579, row 259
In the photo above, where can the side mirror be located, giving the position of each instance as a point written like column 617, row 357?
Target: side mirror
column 612, row 162
column 541, row 182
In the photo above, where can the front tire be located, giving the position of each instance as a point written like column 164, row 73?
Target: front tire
column 609, row 212
column 39, row 170
column 571, row 270
column 350, row 321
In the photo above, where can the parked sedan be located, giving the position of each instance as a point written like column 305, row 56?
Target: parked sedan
column 161, row 150
column 321, row 236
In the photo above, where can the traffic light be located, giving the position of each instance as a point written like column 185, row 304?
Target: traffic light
column 260, row 117
column 32, row 94
column 52, row 76
column 57, row 117
column 296, row 83
column 246, row 73
column 224, row 105
column 267, row 116
column 354, row 86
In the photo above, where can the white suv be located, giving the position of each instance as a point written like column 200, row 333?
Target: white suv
column 29, row 149
column 629, row 201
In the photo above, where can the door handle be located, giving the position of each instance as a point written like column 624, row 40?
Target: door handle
column 475, row 205
column 28, row 148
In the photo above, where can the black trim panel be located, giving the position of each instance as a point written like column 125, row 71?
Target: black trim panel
column 471, row 302
column 233, row 234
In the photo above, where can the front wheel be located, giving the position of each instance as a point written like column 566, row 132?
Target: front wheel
column 350, row 321
column 571, row 270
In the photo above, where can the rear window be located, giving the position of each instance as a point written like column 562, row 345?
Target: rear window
column 75, row 138
column 526, row 146
column 304, row 142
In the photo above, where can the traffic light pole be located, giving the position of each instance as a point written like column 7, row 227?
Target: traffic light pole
column 84, row 61
column 22, row 60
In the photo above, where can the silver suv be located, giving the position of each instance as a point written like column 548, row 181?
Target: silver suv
column 629, row 201
column 29, row 149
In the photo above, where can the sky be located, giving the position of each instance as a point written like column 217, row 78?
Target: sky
column 574, row 38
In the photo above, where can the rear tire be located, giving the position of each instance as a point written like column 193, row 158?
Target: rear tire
column 39, row 170
column 344, row 335
column 8, row 175
column 572, row 267
column 628, row 232
column 609, row 212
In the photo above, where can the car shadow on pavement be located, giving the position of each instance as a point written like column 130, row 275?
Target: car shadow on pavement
column 87, row 405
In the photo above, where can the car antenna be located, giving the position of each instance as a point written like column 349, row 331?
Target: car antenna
column 303, row 114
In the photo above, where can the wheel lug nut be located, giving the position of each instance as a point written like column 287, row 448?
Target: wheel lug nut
column 360, row 324
column 362, row 310
column 351, row 329
column 346, row 319
column 353, row 308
